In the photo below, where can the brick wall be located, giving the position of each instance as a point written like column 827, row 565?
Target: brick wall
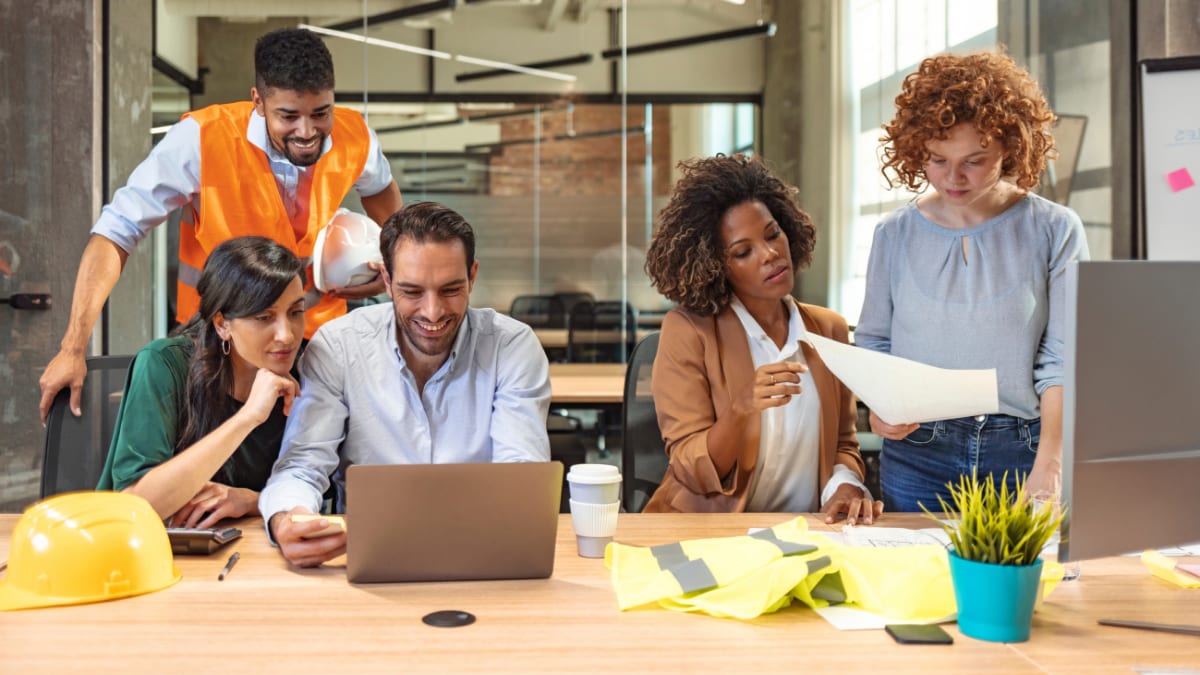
column 582, row 166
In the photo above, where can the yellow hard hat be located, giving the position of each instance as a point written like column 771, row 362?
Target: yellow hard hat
column 85, row 547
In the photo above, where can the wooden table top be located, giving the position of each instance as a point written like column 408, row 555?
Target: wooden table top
column 582, row 383
column 266, row 617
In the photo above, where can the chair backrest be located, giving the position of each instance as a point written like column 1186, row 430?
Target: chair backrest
column 569, row 300
column 76, row 447
column 539, row 311
column 643, row 456
column 594, row 332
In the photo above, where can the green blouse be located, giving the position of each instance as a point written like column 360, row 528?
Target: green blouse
column 149, row 423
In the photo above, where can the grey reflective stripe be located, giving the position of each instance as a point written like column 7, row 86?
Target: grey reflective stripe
column 669, row 555
column 830, row 588
column 818, row 564
column 788, row 547
column 188, row 275
column 693, row 576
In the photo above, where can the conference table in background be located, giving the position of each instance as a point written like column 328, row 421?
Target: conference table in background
column 267, row 617
column 590, row 386
column 587, row 384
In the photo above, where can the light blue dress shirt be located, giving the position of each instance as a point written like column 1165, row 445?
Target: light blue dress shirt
column 1000, row 307
column 169, row 177
column 359, row 404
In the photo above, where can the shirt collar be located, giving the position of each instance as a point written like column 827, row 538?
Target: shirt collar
column 256, row 133
column 460, row 340
column 796, row 332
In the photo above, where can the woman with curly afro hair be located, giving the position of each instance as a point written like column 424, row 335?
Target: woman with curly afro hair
column 970, row 274
column 752, row 419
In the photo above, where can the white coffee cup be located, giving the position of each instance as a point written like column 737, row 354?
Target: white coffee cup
column 595, row 502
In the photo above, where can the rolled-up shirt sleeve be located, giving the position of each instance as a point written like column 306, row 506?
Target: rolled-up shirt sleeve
column 164, row 181
column 377, row 173
column 314, row 432
column 522, row 400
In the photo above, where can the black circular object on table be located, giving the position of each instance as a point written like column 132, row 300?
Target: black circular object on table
column 449, row 618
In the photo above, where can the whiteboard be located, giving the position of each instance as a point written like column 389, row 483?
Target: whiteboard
column 1170, row 91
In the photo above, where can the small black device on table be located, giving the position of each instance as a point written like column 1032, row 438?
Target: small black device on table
column 198, row 541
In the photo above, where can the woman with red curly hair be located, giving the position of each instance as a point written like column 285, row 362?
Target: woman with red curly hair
column 752, row 419
column 970, row 275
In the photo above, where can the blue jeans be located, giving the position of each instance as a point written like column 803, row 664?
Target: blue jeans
column 915, row 470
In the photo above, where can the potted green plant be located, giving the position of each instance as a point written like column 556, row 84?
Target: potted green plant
column 996, row 536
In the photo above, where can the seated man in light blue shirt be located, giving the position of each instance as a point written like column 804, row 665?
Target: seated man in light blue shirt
column 423, row 380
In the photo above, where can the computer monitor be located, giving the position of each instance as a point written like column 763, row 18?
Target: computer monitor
column 1131, row 407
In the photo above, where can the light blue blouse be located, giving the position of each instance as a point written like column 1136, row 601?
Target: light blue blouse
column 1002, row 307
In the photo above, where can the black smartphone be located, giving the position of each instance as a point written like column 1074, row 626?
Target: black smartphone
column 918, row 634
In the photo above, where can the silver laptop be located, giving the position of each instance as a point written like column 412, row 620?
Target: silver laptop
column 451, row 522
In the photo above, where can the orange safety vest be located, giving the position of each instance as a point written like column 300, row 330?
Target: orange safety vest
column 239, row 197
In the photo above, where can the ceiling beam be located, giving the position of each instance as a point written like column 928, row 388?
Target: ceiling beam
column 397, row 14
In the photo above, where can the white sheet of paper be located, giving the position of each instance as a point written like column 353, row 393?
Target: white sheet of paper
column 901, row 391
column 893, row 536
column 842, row 617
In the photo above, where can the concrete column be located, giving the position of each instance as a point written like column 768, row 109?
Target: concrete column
column 50, row 132
column 128, row 108
column 801, row 132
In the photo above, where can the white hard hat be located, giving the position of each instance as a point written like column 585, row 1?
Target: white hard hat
column 343, row 249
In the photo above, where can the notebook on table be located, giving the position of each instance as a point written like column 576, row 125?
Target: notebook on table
column 451, row 522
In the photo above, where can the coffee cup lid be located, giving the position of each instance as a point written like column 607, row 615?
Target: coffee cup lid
column 592, row 474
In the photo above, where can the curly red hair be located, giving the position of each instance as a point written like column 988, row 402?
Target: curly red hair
column 987, row 90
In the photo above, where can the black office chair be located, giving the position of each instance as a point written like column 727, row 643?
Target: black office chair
column 567, row 447
column 76, row 447
column 643, row 456
column 539, row 311
column 594, row 333
column 569, row 300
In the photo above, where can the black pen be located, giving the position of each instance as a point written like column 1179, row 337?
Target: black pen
column 229, row 565
column 1164, row 627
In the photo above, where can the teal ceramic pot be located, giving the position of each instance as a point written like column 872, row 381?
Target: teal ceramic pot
column 995, row 602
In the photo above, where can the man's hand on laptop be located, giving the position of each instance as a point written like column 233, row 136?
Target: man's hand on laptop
column 302, row 551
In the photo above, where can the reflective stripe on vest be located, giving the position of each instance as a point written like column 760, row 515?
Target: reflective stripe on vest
column 750, row 575
column 241, row 198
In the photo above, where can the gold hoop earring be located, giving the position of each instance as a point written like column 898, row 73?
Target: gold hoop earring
column 225, row 347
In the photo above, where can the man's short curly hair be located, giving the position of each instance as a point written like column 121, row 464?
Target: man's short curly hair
column 293, row 59
column 686, row 260
column 988, row 90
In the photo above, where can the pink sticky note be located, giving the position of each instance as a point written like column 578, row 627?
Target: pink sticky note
column 1193, row 570
column 1180, row 179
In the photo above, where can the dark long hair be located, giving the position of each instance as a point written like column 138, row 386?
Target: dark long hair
column 242, row 277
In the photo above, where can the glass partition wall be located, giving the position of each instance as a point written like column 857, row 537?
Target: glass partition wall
column 536, row 123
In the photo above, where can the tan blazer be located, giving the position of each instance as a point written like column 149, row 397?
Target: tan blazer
column 703, row 363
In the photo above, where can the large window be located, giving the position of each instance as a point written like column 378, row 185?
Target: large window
column 886, row 39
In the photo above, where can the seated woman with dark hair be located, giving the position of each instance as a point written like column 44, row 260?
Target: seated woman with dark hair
column 752, row 419
column 202, row 415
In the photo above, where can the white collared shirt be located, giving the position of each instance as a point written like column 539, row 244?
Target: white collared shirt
column 169, row 177
column 788, row 470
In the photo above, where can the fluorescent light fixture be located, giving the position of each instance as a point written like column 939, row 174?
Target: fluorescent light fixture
column 512, row 67
column 154, row 131
column 377, row 42
column 440, row 55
